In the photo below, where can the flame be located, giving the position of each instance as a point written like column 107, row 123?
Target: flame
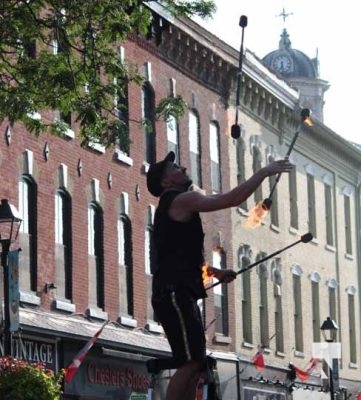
column 308, row 121
column 256, row 216
column 207, row 278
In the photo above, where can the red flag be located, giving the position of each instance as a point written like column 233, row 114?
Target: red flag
column 258, row 359
column 303, row 375
column 73, row 367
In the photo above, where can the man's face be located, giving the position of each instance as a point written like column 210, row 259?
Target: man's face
column 176, row 176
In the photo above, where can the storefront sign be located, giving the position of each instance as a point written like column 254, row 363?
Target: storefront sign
column 33, row 350
column 105, row 377
column 112, row 376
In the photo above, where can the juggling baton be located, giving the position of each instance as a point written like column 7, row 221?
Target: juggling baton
column 307, row 237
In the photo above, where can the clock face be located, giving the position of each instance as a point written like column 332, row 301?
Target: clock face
column 282, row 63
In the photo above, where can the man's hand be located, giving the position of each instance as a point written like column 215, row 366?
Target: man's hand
column 223, row 275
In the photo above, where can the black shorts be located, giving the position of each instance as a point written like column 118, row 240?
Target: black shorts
column 180, row 317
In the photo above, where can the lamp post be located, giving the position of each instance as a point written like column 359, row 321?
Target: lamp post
column 329, row 332
column 9, row 228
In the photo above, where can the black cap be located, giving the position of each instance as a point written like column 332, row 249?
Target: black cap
column 155, row 174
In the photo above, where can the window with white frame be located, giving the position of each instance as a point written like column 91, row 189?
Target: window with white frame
column 329, row 215
column 292, row 187
column 246, row 302
column 273, row 187
column 96, row 255
column 125, row 261
column 28, row 233
column 315, row 293
column 332, row 285
column 63, row 243
column 241, row 165
column 195, row 149
column 220, row 295
column 121, row 105
column 351, row 291
column 172, row 136
column 148, row 117
column 279, row 324
column 348, row 230
column 263, row 302
column 215, row 157
column 297, row 305
column 256, row 166
column 311, row 197
column 148, row 250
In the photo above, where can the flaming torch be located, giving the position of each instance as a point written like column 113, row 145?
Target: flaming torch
column 306, row 238
column 235, row 128
column 207, row 277
column 260, row 211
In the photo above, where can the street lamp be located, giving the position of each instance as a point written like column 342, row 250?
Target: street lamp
column 329, row 332
column 10, row 222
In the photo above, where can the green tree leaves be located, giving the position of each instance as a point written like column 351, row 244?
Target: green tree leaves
column 63, row 55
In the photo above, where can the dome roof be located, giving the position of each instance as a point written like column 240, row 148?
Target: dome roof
column 290, row 63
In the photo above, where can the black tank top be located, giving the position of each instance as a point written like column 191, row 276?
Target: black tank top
column 179, row 254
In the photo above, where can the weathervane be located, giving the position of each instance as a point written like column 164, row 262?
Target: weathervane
column 284, row 15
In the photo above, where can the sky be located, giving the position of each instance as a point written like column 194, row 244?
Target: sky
column 331, row 29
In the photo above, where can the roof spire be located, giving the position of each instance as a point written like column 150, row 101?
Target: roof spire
column 285, row 42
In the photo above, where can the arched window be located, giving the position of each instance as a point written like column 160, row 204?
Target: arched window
column 125, row 261
column 28, row 233
column 292, row 187
column 256, row 165
column 148, row 117
column 63, row 244
column 241, row 165
column 297, row 305
column 263, row 302
column 173, row 136
column 195, row 148
column 214, row 145
column 96, row 255
column 273, row 186
column 246, row 294
column 220, row 294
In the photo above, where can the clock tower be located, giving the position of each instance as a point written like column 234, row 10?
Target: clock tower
column 300, row 72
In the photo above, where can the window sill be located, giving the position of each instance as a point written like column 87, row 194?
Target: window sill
column 242, row 211
column 128, row 322
column 328, row 247
column 349, row 256
column 293, row 231
column 275, row 228
column 353, row 365
column 248, row 345
column 64, row 305
column 299, row 354
column 145, row 167
column 69, row 133
column 122, row 157
column 29, row 298
column 153, row 327
column 280, row 354
column 98, row 313
column 221, row 339
column 97, row 147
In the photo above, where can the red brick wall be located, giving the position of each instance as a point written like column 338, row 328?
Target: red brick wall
column 125, row 179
